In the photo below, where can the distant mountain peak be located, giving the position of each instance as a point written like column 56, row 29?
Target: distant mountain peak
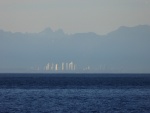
column 124, row 30
column 138, row 26
column 47, row 30
column 123, row 27
column 143, row 26
column 59, row 31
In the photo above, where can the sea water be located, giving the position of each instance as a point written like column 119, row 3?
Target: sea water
column 74, row 93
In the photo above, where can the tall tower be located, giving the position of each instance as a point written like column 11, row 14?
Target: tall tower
column 56, row 67
column 74, row 67
column 63, row 66
column 71, row 67
column 48, row 67
column 52, row 66
column 67, row 67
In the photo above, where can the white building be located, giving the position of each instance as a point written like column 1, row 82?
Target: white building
column 56, row 67
column 71, row 66
column 67, row 67
column 52, row 67
column 63, row 66
column 47, row 67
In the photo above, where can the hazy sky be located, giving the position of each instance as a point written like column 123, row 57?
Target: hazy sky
column 100, row 16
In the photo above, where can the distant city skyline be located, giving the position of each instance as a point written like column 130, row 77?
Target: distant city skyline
column 71, row 67
column 63, row 66
column 73, row 16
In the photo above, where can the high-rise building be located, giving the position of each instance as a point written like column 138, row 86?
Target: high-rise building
column 63, row 66
column 71, row 67
column 56, row 67
column 74, row 67
column 67, row 67
column 47, row 67
column 52, row 67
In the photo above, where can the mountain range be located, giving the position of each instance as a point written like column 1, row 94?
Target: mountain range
column 123, row 50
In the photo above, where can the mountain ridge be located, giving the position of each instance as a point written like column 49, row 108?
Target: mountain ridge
column 48, row 30
column 126, row 50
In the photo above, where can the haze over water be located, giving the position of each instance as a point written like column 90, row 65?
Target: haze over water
column 70, row 48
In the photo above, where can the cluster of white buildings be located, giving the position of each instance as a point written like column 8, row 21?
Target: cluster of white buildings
column 60, row 67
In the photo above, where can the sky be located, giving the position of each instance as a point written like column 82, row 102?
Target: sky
column 99, row 16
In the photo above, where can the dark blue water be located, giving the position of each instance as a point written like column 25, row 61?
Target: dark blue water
column 74, row 93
